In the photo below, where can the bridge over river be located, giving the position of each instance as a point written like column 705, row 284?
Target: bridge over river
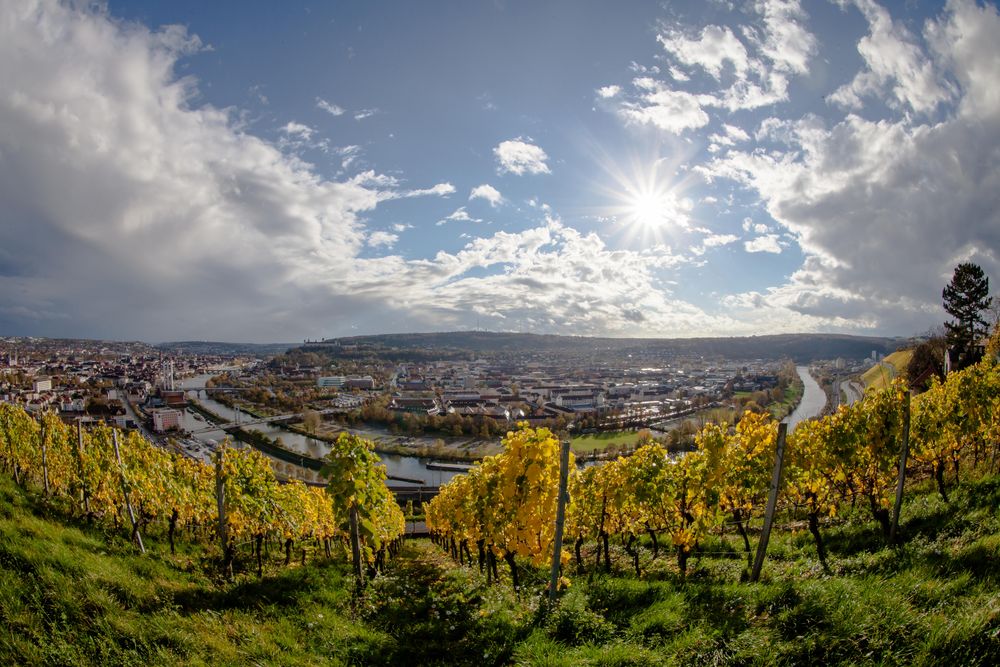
column 257, row 421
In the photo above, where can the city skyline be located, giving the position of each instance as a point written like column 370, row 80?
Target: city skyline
column 268, row 174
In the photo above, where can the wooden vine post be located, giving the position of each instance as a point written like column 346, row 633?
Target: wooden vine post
column 84, row 490
column 560, row 519
column 220, row 501
column 128, row 503
column 772, row 503
column 355, row 543
column 904, row 452
column 45, row 458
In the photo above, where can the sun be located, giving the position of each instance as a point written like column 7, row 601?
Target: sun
column 651, row 208
column 648, row 200
column 648, row 210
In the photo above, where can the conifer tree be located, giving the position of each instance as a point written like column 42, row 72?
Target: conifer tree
column 966, row 298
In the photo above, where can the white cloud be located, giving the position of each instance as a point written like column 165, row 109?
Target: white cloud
column 401, row 227
column 389, row 184
column 550, row 278
column 487, row 192
column 962, row 45
column 348, row 155
column 365, row 113
column 758, row 227
column 884, row 209
column 735, row 134
column 749, row 73
column 710, row 50
column 459, row 215
column 783, row 39
column 121, row 192
column 678, row 75
column 730, row 136
column 520, row 156
column 330, row 107
column 439, row 190
column 896, row 68
column 257, row 92
column 380, row 238
column 766, row 243
column 669, row 110
column 298, row 130
column 642, row 69
column 607, row 92
column 128, row 194
column 713, row 240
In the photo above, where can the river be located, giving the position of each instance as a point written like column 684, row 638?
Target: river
column 813, row 399
column 410, row 467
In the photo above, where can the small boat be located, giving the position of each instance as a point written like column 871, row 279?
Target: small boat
column 449, row 466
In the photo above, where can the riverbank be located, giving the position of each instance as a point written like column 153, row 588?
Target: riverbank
column 393, row 445
column 207, row 414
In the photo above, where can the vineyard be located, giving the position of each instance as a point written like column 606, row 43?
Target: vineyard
column 657, row 548
column 124, row 480
column 505, row 507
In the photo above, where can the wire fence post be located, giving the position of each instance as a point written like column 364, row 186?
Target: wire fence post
column 904, row 452
column 772, row 503
column 560, row 519
column 45, row 459
column 84, row 489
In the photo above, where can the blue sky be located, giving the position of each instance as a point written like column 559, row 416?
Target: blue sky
column 256, row 171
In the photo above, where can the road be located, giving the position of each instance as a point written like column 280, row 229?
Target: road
column 131, row 414
column 852, row 390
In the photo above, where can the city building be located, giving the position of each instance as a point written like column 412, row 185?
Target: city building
column 166, row 420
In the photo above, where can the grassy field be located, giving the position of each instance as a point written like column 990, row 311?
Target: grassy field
column 878, row 376
column 600, row 441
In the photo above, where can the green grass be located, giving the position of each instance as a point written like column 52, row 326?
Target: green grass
column 72, row 595
column 596, row 442
column 76, row 594
column 790, row 399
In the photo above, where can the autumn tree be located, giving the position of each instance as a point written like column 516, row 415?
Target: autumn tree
column 311, row 421
column 926, row 363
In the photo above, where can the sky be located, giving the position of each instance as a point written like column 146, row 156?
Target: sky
column 258, row 171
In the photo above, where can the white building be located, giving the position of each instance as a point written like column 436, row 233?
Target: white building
column 41, row 384
column 166, row 419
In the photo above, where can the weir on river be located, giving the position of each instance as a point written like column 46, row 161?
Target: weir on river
column 411, row 468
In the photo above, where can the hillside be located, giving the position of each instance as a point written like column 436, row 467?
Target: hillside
column 799, row 347
column 879, row 375
column 224, row 348
column 72, row 594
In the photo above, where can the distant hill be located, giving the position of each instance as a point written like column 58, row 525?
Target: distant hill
column 799, row 347
column 222, row 348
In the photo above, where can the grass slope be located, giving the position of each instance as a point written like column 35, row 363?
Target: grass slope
column 70, row 594
column 879, row 375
